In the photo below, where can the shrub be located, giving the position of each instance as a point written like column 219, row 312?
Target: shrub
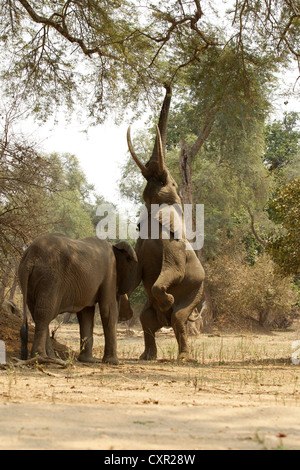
column 258, row 291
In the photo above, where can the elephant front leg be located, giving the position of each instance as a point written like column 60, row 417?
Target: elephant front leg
column 86, row 326
column 172, row 272
column 109, row 316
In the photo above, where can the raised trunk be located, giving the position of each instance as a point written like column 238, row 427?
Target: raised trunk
column 162, row 123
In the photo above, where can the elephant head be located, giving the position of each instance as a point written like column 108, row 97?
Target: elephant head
column 161, row 188
column 126, row 266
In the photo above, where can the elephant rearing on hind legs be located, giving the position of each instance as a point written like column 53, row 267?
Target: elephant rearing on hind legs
column 172, row 275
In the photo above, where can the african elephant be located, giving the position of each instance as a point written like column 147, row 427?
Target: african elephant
column 172, row 275
column 58, row 274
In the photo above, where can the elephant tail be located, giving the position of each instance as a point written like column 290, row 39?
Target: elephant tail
column 195, row 315
column 23, row 278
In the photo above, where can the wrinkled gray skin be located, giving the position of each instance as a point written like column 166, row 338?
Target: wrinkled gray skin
column 58, row 274
column 172, row 276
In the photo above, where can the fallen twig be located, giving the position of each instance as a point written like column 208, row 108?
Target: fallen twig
column 40, row 360
column 46, row 372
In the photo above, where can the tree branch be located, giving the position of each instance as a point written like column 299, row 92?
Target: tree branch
column 205, row 131
column 258, row 238
column 63, row 30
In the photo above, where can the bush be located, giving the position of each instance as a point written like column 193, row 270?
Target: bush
column 258, row 291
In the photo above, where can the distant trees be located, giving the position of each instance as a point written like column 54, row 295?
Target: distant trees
column 284, row 242
column 75, row 201
column 282, row 138
column 26, row 187
column 282, row 157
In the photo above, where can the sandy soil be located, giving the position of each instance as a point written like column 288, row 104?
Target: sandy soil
column 240, row 391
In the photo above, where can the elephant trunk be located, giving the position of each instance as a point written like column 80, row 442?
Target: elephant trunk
column 161, row 136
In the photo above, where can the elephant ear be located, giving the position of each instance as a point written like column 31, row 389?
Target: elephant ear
column 125, row 247
column 171, row 219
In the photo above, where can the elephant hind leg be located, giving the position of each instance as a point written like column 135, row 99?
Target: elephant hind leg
column 178, row 324
column 150, row 325
column 86, row 327
column 41, row 334
column 179, row 317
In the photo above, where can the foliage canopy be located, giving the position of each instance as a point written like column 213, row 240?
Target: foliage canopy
column 113, row 54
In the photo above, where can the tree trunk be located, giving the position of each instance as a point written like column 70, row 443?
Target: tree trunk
column 187, row 154
column 13, row 289
column 185, row 162
column 4, row 282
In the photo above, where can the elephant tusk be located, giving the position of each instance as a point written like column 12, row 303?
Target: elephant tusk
column 133, row 154
column 161, row 158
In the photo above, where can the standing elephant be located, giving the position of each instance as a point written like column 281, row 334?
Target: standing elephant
column 58, row 274
column 172, row 275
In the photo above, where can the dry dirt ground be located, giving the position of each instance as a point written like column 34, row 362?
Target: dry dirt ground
column 240, row 391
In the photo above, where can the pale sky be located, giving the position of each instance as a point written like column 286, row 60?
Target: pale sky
column 101, row 151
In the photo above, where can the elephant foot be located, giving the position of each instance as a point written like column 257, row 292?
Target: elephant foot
column 87, row 358
column 148, row 356
column 167, row 303
column 164, row 299
column 183, row 356
column 113, row 360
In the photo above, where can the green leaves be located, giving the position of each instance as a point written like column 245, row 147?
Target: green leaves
column 282, row 142
column 284, row 245
column 114, row 55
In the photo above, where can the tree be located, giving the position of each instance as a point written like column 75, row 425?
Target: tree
column 25, row 192
column 282, row 142
column 45, row 41
column 224, row 116
column 129, row 48
column 75, row 202
column 284, row 244
column 25, row 196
